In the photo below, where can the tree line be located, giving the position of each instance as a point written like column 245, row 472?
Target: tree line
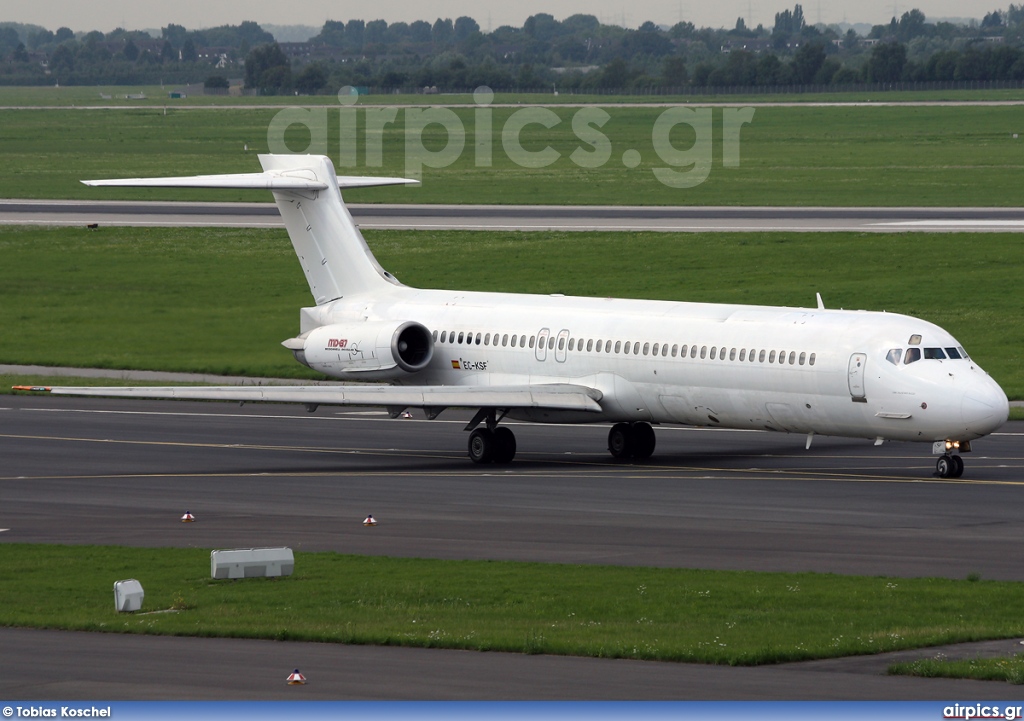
column 578, row 53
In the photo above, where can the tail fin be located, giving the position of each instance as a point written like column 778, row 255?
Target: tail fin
column 332, row 251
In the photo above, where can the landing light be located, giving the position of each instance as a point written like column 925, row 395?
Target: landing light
column 951, row 445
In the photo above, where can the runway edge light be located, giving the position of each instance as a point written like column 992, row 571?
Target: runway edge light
column 370, row 521
column 188, row 518
column 295, row 678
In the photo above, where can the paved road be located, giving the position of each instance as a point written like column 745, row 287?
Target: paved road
column 491, row 217
column 104, row 471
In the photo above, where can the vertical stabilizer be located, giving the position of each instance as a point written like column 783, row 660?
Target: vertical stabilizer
column 334, row 256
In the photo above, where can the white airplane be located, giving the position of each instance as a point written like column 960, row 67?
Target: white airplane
column 631, row 363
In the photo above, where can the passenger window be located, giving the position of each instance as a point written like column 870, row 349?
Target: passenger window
column 693, row 352
column 792, row 357
column 743, row 354
column 561, row 344
column 682, row 353
column 647, row 347
column 803, row 357
column 522, row 342
column 703, row 352
column 721, row 353
column 504, row 340
column 811, row 359
column 434, row 335
column 551, row 343
column 618, row 346
column 782, row 356
column 487, row 339
column 934, row 354
column 714, row 352
column 760, row 357
column 771, row 358
column 590, row 345
column 753, row 354
column 654, row 349
column 572, row 344
column 913, row 355
column 599, row 343
column 675, row 347
column 894, row 356
column 732, row 354
column 478, row 339
column 953, row 353
column 461, row 336
column 533, row 339
column 664, row 350
column 444, row 334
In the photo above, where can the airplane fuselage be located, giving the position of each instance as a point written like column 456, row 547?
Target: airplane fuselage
column 828, row 372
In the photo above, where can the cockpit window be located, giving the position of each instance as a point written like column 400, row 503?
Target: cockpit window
column 913, row 355
column 934, row 354
column 953, row 353
column 915, row 339
column 963, row 353
column 894, row 355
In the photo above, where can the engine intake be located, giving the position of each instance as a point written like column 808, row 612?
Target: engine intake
column 367, row 351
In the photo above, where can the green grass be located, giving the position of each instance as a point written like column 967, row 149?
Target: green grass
column 222, row 300
column 1009, row 669
column 722, row 617
column 927, row 156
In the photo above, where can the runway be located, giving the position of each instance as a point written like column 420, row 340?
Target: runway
column 83, row 471
column 498, row 217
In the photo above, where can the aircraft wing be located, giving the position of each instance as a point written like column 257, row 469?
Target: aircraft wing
column 553, row 396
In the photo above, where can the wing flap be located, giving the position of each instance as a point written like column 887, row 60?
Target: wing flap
column 549, row 396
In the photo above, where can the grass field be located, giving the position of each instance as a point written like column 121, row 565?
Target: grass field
column 806, row 156
column 221, row 301
column 1009, row 669
column 722, row 617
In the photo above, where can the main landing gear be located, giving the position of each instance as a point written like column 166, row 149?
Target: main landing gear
column 487, row 446
column 631, row 441
column 949, row 466
column 490, row 444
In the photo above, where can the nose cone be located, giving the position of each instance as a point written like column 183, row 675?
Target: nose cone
column 985, row 408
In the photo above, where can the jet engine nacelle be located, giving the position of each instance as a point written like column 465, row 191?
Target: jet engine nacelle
column 367, row 351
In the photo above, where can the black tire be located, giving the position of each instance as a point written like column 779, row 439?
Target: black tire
column 958, row 467
column 644, row 441
column 481, row 446
column 504, row 445
column 944, row 467
column 620, row 441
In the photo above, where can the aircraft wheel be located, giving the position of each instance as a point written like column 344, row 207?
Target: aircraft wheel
column 944, row 467
column 958, row 467
column 643, row 441
column 504, row 445
column 620, row 440
column 481, row 445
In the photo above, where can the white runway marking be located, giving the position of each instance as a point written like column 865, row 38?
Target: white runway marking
column 954, row 223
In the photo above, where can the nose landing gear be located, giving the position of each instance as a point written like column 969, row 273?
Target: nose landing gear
column 949, row 467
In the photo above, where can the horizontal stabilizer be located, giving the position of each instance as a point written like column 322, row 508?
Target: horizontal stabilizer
column 249, row 181
column 555, row 396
